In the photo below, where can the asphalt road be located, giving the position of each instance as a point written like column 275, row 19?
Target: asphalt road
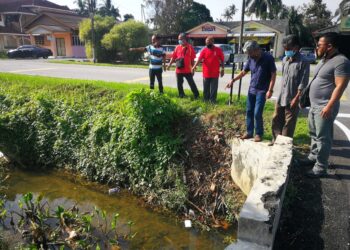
column 336, row 189
column 110, row 74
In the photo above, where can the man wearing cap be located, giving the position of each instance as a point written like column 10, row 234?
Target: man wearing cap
column 295, row 77
column 263, row 78
column 184, row 56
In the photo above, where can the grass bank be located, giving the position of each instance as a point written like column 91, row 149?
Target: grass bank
column 173, row 152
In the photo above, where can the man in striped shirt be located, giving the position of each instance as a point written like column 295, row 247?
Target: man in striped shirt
column 156, row 61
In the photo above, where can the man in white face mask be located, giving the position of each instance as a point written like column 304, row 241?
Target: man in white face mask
column 295, row 77
column 184, row 56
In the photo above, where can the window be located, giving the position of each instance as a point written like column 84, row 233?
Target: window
column 39, row 40
column 76, row 41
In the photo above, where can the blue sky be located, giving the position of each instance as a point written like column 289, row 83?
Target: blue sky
column 216, row 7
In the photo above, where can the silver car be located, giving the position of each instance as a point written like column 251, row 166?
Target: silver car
column 227, row 50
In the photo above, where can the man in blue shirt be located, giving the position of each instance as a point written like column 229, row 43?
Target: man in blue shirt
column 156, row 61
column 263, row 78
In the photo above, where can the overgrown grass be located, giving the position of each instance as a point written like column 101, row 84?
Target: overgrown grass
column 113, row 133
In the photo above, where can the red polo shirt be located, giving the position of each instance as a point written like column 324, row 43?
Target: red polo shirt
column 186, row 52
column 211, row 61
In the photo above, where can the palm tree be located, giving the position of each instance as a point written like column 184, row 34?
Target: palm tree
column 91, row 6
column 229, row 12
column 264, row 9
column 81, row 10
column 108, row 9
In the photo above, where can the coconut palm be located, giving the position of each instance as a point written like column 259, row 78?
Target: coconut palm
column 229, row 12
column 264, row 9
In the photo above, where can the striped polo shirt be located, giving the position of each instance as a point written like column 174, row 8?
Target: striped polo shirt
column 155, row 56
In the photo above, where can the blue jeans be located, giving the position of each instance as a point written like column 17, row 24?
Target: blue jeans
column 321, row 133
column 255, row 108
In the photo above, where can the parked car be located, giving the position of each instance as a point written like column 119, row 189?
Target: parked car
column 226, row 49
column 29, row 51
column 198, row 48
column 169, row 49
column 309, row 54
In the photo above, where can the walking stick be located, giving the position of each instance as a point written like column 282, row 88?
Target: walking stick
column 232, row 76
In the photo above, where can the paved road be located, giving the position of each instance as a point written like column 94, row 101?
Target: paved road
column 105, row 73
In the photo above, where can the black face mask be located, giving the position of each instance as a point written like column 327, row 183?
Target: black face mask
column 209, row 46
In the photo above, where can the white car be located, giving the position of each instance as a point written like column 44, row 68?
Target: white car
column 226, row 49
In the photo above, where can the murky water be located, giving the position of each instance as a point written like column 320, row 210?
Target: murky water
column 154, row 230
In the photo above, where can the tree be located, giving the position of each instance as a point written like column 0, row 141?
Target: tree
column 296, row 26
column 174, row 16
column 284, row 12
column 124, row 36
column 195, row 15
column 102, row 26
column 82, row 10
column 316, row 15
column 128, row 17
column 229, row 12
column 264, row 9
column 108, row 9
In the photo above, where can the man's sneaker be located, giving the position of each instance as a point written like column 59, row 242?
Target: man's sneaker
column 257, row 138
column 316, row 172
column 246, row 136
column 305, row 162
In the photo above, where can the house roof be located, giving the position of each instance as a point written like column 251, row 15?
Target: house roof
column 46, row 29
column 23, row 5
column 69, row 21
column 279, row 25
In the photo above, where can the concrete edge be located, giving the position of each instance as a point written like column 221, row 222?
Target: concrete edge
column 260, row 215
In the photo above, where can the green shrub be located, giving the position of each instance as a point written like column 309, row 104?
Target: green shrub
column 3, row 55
column 102, row 26
column 127, row 141
column 127, row 35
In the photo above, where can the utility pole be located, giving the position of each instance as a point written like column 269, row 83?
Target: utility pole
column 143, row 16
column 241, row 46
column 92, row 10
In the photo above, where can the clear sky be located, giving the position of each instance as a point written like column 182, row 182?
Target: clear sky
column 216, row 7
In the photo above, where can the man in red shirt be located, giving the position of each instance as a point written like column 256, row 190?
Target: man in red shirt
column 212, row 57
column 184, row 56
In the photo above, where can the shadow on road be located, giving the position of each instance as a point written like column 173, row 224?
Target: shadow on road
column 302, row 214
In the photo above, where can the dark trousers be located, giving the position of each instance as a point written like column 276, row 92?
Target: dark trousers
column 255, row 108
column 284, row 121
column 153, row 73
column 189, row 78
column 210, row 89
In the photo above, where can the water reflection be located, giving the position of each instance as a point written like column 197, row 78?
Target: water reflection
column 154, row 230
